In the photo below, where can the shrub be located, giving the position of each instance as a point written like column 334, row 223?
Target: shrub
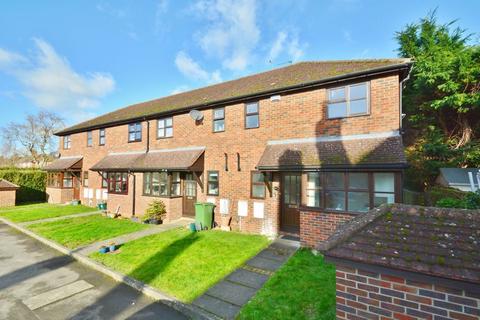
column 32, row 183
column 449, row 203
column 156, row 210
column 470, row 200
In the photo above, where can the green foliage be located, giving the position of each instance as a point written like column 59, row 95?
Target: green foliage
column 449, row 203
column 156, row 210
column 32, row 183
column 471, row 200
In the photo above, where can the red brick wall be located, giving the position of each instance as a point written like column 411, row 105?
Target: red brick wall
column 58, row 195
column 317, row 226
column 365, row 295
column 297, row 115
column 7, row 198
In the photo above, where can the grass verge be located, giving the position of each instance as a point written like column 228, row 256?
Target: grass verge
column 40, row 211
column 76, row 232
column 182, row 263
column 304, row 288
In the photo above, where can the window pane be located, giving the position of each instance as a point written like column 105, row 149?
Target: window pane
column 381, row 198
column 313, row 198
column 169, row 132
column 138, row 135
column 218, row 114
column 335, row 180
column 358, row 180
column 258, row 191
column 337, row 110
column 147, row 177
column 163, row 183
column 358, row 107
column 336, row 94
column 175, row 189
column 358, row 201
column 258, row 177
column 168, row 122
column 252, row 121
column 156, row 184
column 313, row 180
column 213, row 176
column 252, row 108
column 219, row 125
column 335, row 200
column 161, row 124
column 384, row 182
column 131, row 136
column 358, row 91
column 161, row 132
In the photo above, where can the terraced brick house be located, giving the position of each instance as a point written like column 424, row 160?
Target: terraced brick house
column 296, row 150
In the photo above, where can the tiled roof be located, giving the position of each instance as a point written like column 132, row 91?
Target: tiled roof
column 7, row 185
column 341, row 153
column 433, row 241
column 296, row 75
column 174, row 159
column 64, row 163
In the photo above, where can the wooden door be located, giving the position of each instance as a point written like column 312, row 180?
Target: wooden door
column 76, row 186
column 189, row 195
column 291, row 197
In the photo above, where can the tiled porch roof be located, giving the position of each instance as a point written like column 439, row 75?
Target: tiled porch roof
column 65, row 163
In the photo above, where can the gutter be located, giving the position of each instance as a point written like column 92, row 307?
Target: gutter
column 289, row 89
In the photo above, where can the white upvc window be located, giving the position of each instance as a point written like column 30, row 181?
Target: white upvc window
column 165, row 128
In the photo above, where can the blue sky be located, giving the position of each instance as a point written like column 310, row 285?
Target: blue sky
column 84, row 58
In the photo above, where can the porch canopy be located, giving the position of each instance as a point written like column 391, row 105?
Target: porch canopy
column 182, row 159
column 73, row 163
column 380, row 151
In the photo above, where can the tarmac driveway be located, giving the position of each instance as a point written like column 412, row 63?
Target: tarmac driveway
column 37, row 282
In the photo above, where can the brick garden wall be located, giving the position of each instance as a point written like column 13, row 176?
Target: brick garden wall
column 7, row 198
column 365, row 295
column 58, row 195
column 317, row 226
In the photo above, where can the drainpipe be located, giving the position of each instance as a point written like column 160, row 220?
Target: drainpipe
column 402, row 84
column 134, row 187
column 148, row 135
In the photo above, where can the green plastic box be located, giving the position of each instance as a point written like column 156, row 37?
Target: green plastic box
column 204, row 214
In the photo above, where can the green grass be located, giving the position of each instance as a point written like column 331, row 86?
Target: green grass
column 76, row 232
column 39, row 211
column 182, row 263
column 304, row 288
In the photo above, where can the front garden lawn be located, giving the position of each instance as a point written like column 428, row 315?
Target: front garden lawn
column 39, row 211
column 304, row 288
column 182, row 263
column 76, row 232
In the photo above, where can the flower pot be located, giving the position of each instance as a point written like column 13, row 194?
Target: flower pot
column 112, row 247
column 154, row 221
column 104, row 249
column 147, row 221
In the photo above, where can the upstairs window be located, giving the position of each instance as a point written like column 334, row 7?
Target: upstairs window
column 251, row 115
column 165, row 128
column 219, row 120
column 67, row 142
column 348, row 101
column 101, row 137
column 89, row 139
column 135, row 132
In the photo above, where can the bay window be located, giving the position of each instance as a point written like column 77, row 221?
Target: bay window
column 161, row 184
column 67, row 180
column 117, row 182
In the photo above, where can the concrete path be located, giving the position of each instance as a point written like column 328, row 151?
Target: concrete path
column 60, row 218
column 182, row 222
column 36, row 282
column 226, row 298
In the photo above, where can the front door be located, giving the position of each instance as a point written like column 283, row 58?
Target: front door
column 76, row 186
column 290, row 218
column 189, row 195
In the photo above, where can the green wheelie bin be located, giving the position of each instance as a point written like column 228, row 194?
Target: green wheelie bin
column 204, row 214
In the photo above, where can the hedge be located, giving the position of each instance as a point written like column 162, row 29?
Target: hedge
column 32, row 183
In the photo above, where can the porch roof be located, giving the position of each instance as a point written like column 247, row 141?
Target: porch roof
column 182, row 159
column 65, row 163
column 7, row 185
column 382, row 150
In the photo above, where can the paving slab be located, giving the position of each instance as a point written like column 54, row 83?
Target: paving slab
column 263, row 263
column 277, row 255
column 217, row 307
column 248, row 278
column 234, row 293
column 57, row 294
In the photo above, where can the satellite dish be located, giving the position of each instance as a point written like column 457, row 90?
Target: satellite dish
column 196, row 115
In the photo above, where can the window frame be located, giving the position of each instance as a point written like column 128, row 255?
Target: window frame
column 169, row 184
column 67, row 142
column 347, row 100
column 85, row 179
column 55, row 180
column 104, row 177
column 89, row 139
column 137, row 128
column 102, row 134
column 64, row 178
column 217, row 182
column 252, row 184
column 165, row 127
column 115, row 181
column 214, row 119
column 247, row 114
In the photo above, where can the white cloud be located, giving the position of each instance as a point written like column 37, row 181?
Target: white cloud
column 107, row 8
column 8, row 58
column 278, row 46
column 160, row 10
column 179, row 89
column 295, row 49
column 232, row 34
column 288, row 44
column 50, row 82
column 191, row 69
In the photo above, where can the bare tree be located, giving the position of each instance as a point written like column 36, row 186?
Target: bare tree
column 33, row 137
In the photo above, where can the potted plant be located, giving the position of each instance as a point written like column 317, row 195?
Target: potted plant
column 112, row 247
column 103, row 249
column 155, row 212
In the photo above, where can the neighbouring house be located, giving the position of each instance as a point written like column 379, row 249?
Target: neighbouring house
column 463, row 179
column 8, row 193
column 407, row 262
column 295, row 150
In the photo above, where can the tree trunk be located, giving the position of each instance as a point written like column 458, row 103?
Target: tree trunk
column 466, row 131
